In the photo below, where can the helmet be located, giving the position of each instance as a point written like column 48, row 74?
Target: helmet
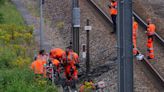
column 149, row 20
column 41, row 52
column 140, row 57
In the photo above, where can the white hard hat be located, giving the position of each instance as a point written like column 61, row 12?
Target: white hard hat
column 140, row 57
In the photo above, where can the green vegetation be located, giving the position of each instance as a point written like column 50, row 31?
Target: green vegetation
column 10, row 14
column 22, row 81
column 16, row 44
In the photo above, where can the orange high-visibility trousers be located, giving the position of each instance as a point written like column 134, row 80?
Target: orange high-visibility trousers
column 151, row 54
column 150, row 48
column 135, row 28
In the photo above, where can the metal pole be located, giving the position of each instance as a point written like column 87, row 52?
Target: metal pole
column 120, row 46
column 88, row 57
column 125, row 54
column 76, row 25
column 41, row 24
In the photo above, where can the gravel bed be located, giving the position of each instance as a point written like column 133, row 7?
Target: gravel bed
column 142, row 79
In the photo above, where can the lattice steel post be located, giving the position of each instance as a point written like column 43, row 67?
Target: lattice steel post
column 125, row 54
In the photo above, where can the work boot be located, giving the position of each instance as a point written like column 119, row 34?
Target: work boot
column 149, row 57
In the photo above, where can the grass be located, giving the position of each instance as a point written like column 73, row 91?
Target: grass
column 14, row 80
column 10, row 14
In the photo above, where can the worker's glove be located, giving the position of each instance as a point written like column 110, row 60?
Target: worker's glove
column 77, row 65
column 62, row 65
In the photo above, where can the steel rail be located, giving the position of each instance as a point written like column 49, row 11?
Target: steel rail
column 154, row 72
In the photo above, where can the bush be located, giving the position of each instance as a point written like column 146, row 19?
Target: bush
column 6, row 56
column 20, row 62
column 15, row 41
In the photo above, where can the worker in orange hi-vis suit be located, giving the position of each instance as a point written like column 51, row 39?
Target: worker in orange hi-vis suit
column 134, row 37
column 37, row 67
column 56, row 53
column 113, row 13
column 70, row 62
column 42, row 56
column 150, row 33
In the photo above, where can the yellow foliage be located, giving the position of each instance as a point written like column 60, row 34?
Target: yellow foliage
column 15, row 34
column 21, row 62
column 40, row 81
column 60, row 25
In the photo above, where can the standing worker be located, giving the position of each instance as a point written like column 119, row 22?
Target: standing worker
column 135, row 30
column 150, row 33
column 70, row 62
column 113, row 13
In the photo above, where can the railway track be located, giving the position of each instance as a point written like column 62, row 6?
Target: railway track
column 158, row 77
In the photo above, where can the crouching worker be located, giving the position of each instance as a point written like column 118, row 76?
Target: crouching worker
column 53, row 70
column 37, row 66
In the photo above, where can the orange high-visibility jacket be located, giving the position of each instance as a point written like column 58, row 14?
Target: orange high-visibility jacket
column 57, row 53
column 151, row 29
column 113, row 9
column 37, row 66
column 71, row 60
